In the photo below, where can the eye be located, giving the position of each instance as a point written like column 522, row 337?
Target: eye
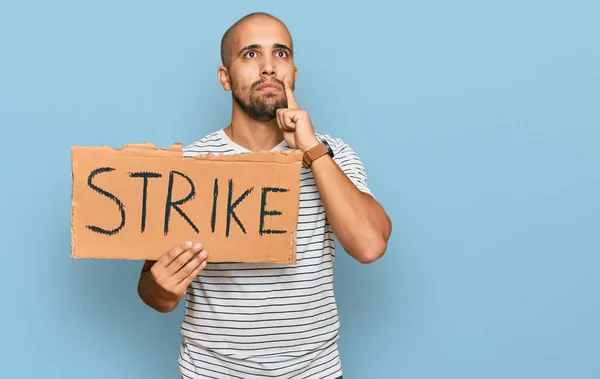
column 250, row 54
column 281, row 54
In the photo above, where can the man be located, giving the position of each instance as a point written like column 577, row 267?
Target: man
column 260, row 320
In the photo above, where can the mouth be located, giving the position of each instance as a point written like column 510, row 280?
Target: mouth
column 269, row 87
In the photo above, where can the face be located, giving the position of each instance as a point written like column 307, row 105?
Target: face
column 261, row 59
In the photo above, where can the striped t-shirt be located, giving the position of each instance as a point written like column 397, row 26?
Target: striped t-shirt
column 251, row 321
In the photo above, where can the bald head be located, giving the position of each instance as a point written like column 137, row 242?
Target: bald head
column 226, row 41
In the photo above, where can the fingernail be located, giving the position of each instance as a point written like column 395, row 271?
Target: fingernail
column 188, row 243
column 203, row 254
column 197, row 246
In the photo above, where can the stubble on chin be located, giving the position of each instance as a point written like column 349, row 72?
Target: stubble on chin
column 260, row 108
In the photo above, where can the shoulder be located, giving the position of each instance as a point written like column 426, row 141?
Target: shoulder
column 210, row 143
column 340, row 147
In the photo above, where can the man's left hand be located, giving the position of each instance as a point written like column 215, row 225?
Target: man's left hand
column 295, row 123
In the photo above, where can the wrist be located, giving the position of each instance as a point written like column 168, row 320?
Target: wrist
column 319, row 150
column 312, row 143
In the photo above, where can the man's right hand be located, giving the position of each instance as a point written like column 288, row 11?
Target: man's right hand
column 164, row 282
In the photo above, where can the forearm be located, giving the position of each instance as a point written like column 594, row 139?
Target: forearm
column 357, row 219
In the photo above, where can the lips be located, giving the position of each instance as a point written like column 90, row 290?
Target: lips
column 271, row 86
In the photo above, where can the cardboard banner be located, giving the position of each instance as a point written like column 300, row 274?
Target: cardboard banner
column 139, row 201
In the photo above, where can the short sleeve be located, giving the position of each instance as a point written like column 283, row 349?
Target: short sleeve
column 350, row 163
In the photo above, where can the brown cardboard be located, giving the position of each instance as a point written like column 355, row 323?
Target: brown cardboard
column 103, row 178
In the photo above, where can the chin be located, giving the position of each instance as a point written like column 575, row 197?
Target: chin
column 264, row 116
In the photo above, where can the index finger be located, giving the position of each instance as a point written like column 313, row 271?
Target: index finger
column 291, row 100
column 182, row 259
column 167, row 258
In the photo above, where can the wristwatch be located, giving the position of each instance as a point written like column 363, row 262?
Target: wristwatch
column 315, row 153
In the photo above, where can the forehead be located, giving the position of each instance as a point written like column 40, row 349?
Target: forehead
column 260, row 31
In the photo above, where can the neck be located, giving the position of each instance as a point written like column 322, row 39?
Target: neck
column 252, row 134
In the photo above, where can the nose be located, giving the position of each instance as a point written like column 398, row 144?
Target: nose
column 268, row 68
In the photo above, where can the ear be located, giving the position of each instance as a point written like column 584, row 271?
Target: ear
column 223, row 75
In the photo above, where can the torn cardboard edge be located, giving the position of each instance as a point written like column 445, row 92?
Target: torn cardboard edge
column 276, row 172
column 145, row 150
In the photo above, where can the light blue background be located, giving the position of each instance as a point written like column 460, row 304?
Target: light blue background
column 478, row 123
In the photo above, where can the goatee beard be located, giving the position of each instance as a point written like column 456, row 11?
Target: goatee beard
column 258, row 109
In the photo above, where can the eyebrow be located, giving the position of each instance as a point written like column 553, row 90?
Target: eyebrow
column 256, row 46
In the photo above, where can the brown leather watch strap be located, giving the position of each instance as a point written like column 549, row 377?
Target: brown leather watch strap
column 313, row 154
